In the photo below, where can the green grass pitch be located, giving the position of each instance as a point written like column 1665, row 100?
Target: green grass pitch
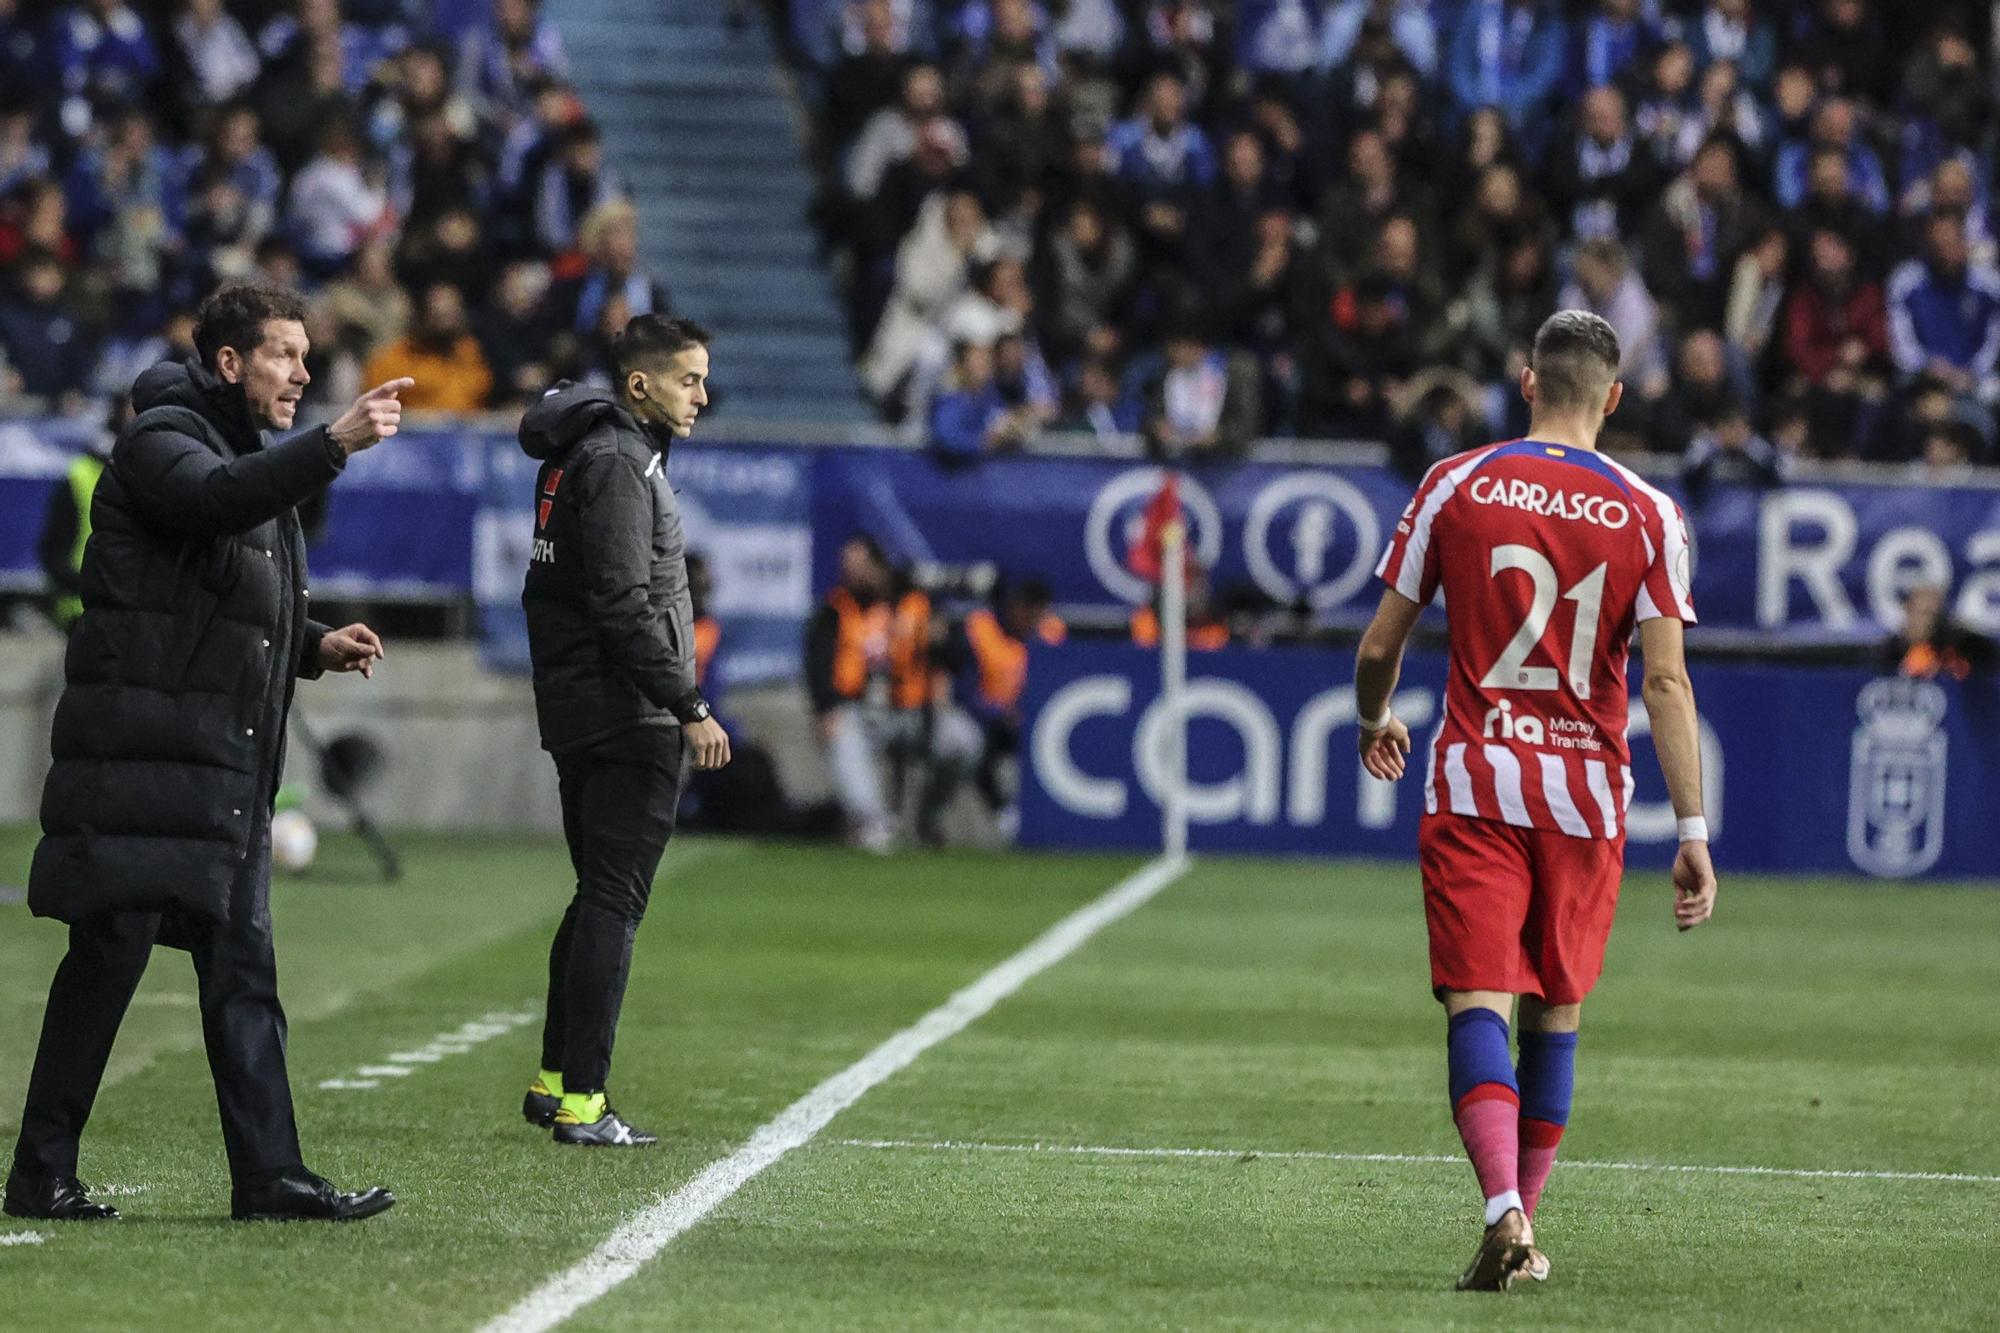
column 1276, row 1012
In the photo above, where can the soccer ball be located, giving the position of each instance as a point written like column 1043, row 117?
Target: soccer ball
column 294, row 841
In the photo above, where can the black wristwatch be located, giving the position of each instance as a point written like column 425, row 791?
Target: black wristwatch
column 693, row 708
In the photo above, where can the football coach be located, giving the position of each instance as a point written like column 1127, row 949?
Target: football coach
column 169, row 740
column 611, row 639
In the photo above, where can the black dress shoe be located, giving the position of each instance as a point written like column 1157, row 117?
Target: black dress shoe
column 301, row 1196
column 53, row 1199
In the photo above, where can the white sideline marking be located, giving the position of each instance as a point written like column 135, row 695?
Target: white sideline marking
column 1082, row 1150
column 646, row 1233
column 21, row 1238
column 457, row 1042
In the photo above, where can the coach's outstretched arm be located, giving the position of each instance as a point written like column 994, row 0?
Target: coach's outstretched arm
column 1677, row 739
column 1378, row 664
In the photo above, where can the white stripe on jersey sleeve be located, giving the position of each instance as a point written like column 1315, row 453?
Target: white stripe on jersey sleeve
column 1460, row 781
column 1410, row 573
column 1555, row 789
column 1674, row 555
column 1599, row 783
column 1507, row 785
column 1626, row 770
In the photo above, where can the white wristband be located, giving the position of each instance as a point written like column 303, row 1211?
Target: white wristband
column 1378, row 723
column 1692, row 829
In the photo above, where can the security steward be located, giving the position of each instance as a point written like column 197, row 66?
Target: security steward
column 169, row 742
column 611, row 636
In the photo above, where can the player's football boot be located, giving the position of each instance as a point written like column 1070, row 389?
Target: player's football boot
column 608, row 1130
column 539, row 1107
column 1503, row 1254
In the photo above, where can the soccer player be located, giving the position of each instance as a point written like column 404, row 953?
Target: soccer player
column 1548, row 555
column 611, row 635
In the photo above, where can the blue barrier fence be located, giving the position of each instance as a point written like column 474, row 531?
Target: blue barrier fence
column 446, row 514
column 1807, row 769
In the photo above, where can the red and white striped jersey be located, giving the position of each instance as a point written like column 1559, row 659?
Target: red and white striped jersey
column 1548, row 557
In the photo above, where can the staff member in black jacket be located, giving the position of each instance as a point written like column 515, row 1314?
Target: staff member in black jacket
column 169, row 741
column 611, row 635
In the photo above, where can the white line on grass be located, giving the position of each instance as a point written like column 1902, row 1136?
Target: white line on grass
column 456, row 1042
column 1428, row 1159
column 645, row 1234
column 21, row 1238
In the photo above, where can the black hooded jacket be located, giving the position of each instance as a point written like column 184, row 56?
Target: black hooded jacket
column 169, row 737
column 610, row 622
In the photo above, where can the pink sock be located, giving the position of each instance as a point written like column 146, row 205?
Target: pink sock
column 1538, row 1157
column 1489, row 1121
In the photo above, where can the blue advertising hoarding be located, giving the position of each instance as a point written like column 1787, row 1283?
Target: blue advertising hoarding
column 1806, row 769
column 442, row 513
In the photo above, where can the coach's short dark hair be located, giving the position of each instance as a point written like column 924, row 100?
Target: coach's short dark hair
column 1575, row 360
column 234, row 316
column 650, row 341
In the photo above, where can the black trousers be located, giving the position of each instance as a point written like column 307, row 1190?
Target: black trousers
column 242, row 1025
column 619, row 798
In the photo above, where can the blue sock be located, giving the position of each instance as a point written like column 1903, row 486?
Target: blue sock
column 1476, row 1042
column 1547, row 1075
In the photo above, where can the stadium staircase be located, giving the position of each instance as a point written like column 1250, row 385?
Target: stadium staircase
column 697, row 121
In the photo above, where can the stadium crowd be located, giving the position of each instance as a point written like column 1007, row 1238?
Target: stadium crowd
column 1208, row 221
column 421, row 167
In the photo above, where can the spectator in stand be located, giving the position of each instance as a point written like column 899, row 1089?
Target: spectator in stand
column 891, row 134
column 610, row 237
column 1410, row 24
column 970, row 419
column 1722, row 106
column 22, row 154
column 1931, row 643
column 1606, row 284
column 367, row 308
column 1509, row 54
column 104, row 57
column 1352, row 364
column 1844, row 45
column 1953, row 186
column 437, row 170
column 454, row 250
column 1944, row 314
column 1836, row 326
column 1756, row 296
column 932, row 270
column 1205, row 403
column 1373, row 188
column 317, row 32
column 1703, row 222
column 299, row 96
column 338, row 202
column 441, row 355
column 1730, row 450
column 1703, row 392
column 49, row 349
column 514, row 333
column 1611, row 44
column 1088, row 275
column 24, row 69
column 1732, row 31
column 1951, row 448
column 866, row 81
column 1834, row 130
column 1949, row 101
column 501, row 63
column 1165, row 158
column 577, row 181
column 1100, row 406
column 1600, row 175
column 1667, row 102
column 36, row 216
column 1487, row 332
column 119, row 201
column 216, row 51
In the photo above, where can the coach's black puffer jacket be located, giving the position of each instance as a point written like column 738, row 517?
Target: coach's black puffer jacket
column 610, row 621
column 170, row 733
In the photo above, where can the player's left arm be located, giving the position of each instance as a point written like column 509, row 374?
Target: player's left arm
column 1377, row 666
column 1676, row 728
